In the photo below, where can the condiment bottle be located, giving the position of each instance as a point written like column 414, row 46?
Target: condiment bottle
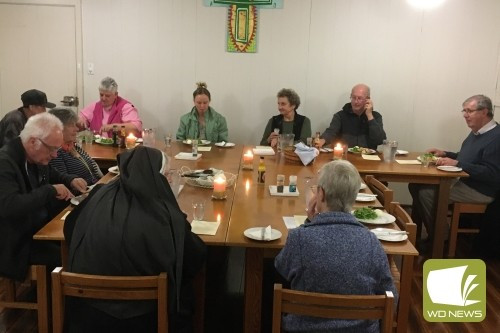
column 123, row 136
column 115, row 136
column 194, row 147
column 261, row 173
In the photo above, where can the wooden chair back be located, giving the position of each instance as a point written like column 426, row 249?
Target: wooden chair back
column 38, row 274
column 404, row 221
column 332, row 306
column 384, row 194
column 108, row 287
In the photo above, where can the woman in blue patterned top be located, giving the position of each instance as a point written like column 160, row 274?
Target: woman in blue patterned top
column 71, row 158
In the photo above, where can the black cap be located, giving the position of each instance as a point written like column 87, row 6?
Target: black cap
column 36, row 97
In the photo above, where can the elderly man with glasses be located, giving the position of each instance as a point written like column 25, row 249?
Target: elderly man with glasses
column 356, row 124
column 479, row 156
column 31, row 194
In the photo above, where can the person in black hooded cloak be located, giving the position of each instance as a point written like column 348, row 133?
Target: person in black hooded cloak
column 133, row 226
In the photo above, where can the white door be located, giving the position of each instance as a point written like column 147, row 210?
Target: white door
column 40, row 48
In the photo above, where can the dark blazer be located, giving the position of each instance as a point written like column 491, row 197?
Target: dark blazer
column 24, row 207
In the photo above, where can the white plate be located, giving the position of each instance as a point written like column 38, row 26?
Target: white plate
column 382, row 218
column 255, row 233
column 226, row 145
column 368, row 151
column 200, row 142
column 114, row 170
column 273, row 190
column 386, row 234
column 361, row 197
column 401, row 152
column 449, row 168
column 103, row 143
column 363, row 186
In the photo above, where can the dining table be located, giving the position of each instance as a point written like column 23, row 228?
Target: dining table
column 249, row 204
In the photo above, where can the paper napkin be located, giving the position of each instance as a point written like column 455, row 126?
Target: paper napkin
column 370, row 157
column 209, row 148
column 263, row 150
column 416, row 162
column 204, row 227
column 187, row 156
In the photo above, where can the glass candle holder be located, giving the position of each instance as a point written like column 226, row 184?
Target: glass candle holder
column 219, row 188
column 248, row 160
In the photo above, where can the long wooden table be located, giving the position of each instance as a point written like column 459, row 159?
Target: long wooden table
column 250, row 205
column 255, row 207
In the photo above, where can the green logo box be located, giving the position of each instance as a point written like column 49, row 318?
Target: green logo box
column 454, row 290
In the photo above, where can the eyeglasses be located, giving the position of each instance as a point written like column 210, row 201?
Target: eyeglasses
column 469, row 111
column 50, row 148
column 357, row 98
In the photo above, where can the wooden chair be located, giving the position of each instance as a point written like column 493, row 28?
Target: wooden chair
column 36, row 273
column 332, row 306
column 404, row 221
column 108, row 287
column 384, row 194
column 459, row 208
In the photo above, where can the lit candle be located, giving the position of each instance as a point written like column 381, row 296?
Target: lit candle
column 248, row 160
column 219, row 187
column 130, row 141
column 338, row 151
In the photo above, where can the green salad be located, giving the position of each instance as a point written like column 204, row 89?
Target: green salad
column 106, row 140
column 356, row 149
column 365, row 213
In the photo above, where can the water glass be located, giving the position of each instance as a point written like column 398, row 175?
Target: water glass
column 168, row 140
column 309, row 142
column 198, row 210
column 286, row 140
column 389, row 151
column 88, row 136
column 148, row 137
column 174, row 179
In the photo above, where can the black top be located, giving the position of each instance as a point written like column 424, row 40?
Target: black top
column 11, row 125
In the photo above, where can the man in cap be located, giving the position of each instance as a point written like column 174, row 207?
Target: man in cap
column 34, row 102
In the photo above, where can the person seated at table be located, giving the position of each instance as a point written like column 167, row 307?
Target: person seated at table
column 31, row 194
column 333, row 252
column 34, row 102
column 111, row 110
column 357, row 124
column 71, row 158
column 288, row 121
column 202, row 122
column 134, row 226
column 479, row 156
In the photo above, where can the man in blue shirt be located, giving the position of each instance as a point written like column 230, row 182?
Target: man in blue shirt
column 479, row 156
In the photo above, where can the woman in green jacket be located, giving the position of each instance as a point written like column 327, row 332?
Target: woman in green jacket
column 202, row 122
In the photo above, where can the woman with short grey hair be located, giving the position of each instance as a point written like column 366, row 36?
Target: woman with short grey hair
column 71, row 158
column 334, row 253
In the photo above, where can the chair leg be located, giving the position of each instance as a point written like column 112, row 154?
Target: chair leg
column 452, row 241
column 42, row 299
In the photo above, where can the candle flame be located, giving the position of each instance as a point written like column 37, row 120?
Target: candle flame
column 249, row 153
column 338, row 146
column 131, row 136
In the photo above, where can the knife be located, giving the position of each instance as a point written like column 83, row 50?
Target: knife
column 389, row 233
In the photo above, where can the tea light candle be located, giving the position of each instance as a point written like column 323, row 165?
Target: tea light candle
column 130, row 141
column 219, row 188
column 338, row 151
column 248, row 160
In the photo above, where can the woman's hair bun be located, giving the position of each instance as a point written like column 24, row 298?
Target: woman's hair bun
column 201, row 85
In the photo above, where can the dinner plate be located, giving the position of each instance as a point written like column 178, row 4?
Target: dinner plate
column 367, row 152
column 114, row 170
column 449, row 168
column 200, row 142
column 382, row 218
column 361, row 197
column 225, row 144
column 401, row 152
column 363, row 186
column 256, row 234
column 389, row 235
column 103, row 143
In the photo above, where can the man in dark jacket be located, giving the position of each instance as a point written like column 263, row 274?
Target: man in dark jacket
column 31, row 193
column 356, row 124
column 34, row 102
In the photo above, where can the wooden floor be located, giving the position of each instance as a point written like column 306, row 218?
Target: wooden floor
column 223, row 314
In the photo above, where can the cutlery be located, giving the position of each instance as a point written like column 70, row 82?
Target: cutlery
column 263, row 233
column 367, row 195
column 223, row 143
column 390, row 233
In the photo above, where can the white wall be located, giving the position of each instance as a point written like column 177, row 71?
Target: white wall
column 420, row 65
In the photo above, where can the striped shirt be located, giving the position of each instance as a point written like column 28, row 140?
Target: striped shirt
column 79, row 164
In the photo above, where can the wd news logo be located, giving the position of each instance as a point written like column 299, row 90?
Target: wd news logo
column 454, row 290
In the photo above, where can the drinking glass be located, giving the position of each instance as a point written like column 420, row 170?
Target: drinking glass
column 168, row 140
column 198, row 210
column 309, row 142
column 389, row 152
column 89, row 136
column 148, row 137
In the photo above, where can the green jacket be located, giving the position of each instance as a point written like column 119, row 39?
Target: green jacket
column 215, row 126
